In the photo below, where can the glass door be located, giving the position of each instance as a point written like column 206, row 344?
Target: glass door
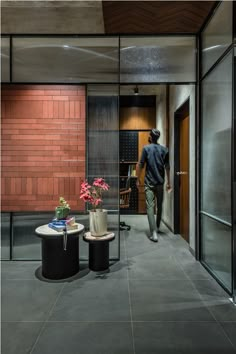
column 216, row 146
column 103, row 150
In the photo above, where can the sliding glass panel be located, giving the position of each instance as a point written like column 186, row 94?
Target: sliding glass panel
column 216, row 248
column 90, row 59
column 5, row 236
column 26, row 245
column 217, row 36
column 5, row 59
column 157, row 59
column 103, row 150
column 216, row 141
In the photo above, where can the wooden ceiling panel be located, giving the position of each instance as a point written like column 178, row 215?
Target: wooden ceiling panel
column 153, row 17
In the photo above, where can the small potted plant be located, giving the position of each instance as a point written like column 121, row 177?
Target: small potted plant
column 62, row 210
column 92, row 194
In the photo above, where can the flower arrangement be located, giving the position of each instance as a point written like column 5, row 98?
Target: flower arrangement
column 92, row 194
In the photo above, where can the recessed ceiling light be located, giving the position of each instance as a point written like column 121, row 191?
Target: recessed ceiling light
column 136, row 91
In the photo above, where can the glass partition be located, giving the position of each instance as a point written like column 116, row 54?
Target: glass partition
column 5, row 59
column 99, row 59
column 216, row 141
column 217, row 36
column 5, row 235
column 216, row 130
column 26, row 245
column 157, row 59
column 216, row 248
column 103, row 150
column 90, row 59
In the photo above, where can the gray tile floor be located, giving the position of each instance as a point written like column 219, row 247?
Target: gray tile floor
column 157, row 299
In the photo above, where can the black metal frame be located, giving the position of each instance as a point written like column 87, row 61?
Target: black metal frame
column 120, row 36
column 233, row 156
column 200, row 79
column 119, row 151
column 11, row 236
column 197, row 152
column 100, row 83
column 234, row 178
column 87, row 35
column 10, row 69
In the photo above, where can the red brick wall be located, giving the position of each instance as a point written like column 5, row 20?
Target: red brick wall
column 43, row 146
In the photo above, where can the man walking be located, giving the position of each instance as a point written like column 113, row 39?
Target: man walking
column 156, row 159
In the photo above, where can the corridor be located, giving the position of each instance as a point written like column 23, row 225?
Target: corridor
column 157, row 299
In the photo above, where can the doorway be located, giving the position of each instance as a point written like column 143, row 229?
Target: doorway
column 137, row 117
column 181, row 168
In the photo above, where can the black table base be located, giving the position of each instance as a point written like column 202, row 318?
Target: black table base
column 99, row 255
column 58, row 263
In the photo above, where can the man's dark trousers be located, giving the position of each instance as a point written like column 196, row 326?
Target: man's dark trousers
column 152, row 194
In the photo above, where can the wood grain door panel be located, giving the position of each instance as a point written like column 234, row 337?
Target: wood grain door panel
column 184, row 178
column 137, row 118
column 142, row 140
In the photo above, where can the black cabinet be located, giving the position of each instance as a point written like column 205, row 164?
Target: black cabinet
column 128, row 146
column 128, row 160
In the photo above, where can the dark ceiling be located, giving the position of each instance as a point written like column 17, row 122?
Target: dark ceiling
column 152, row 17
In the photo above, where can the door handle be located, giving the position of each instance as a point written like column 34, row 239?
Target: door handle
column 181, row 173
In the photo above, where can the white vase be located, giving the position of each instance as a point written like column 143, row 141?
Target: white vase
column 98, row 222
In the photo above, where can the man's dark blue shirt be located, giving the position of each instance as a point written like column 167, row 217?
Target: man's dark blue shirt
column 156, row 158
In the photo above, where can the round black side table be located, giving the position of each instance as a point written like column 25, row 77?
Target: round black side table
column 98, row 250
column 60, row 260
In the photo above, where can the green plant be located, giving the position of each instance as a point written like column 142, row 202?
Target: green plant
column 63, row 209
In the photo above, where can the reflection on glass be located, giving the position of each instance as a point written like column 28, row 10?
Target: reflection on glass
column 65, row 59
column 26, row 245
column 216, row 249
column 157, row 59
column 103, row 149
column 216, row 141
column 5, row 236
column 217, row 36
column 5, row 59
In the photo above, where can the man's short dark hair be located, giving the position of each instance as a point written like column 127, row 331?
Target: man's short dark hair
column 155, row 134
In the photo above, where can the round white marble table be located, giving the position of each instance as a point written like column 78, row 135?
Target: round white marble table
column 60, row 251
column 46, row 231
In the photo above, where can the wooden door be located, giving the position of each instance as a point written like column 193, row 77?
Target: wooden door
column 142, row 140
column 184, row 178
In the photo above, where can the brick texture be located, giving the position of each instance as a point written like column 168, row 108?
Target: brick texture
column 43, row 146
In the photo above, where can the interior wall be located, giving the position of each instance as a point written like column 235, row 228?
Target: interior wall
column 178, row 95
column 43, row 146
column 161, row 116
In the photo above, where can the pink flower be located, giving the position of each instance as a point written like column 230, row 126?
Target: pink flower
column 93, row 194
column 85, row 186
column 99, row 182
column 97, row 201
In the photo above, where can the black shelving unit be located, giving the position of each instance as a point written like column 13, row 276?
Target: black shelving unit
column 128, row 160
column 128, row 146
